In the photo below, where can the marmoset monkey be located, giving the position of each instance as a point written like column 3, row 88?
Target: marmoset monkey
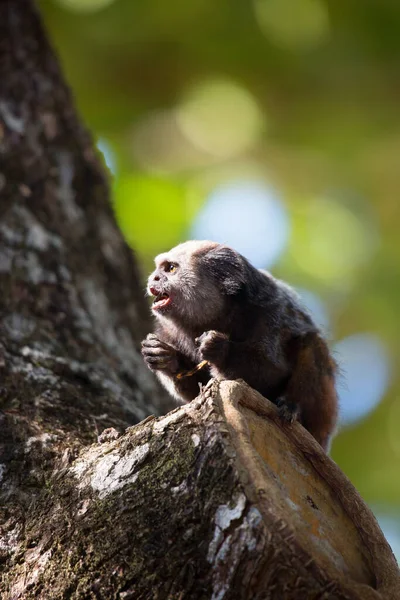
column 212, row 305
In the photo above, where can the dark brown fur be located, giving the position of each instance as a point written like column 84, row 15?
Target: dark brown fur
column 247, row 325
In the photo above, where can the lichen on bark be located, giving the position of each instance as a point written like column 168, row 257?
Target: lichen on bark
column 156, row 535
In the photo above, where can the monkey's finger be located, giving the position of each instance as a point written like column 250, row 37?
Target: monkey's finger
column 154, row 343
column 153, row 360
column 152, row 336
column 154, row 340
column 210, row 336
column 157, row 362
column 156, row 352
column 150, row 340
column 199, row 339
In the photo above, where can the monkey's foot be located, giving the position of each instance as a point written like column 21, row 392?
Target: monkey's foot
column 213, row 346
column 288, row 411
column 159, row 356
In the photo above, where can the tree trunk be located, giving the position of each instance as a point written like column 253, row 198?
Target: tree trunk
column 217, row 499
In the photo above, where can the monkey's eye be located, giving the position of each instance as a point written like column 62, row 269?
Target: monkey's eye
column 170, row 268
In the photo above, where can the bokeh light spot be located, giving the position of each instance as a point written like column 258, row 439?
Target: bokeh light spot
column 293, row 22
column 316, row 307
column 108, row 154
column 85, row 5
column 390, row 526
column 329, row 241
column 393, row 422
column 151, row 212
column 220, row 117
column 159, row 145
column 248, row 216
column 364, row 375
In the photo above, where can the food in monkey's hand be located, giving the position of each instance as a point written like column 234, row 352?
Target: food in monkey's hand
column 218, row 316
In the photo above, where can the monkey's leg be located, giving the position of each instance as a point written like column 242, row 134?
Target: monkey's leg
column 310, row 394
column 167, row 362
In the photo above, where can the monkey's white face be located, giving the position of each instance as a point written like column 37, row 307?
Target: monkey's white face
column 180, row 286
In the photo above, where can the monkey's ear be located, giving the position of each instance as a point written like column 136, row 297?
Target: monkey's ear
column 227, row 267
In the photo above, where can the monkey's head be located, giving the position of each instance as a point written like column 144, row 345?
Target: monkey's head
column 193, row 283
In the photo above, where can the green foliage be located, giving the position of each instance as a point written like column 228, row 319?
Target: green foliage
column 151, row 212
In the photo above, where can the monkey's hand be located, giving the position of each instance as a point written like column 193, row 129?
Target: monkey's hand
column 288, row 411
column 160, row 356
column 213, row 346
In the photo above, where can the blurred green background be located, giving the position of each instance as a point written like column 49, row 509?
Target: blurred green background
column 272, row 125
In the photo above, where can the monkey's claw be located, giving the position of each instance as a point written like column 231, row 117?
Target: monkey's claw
column 288, row 411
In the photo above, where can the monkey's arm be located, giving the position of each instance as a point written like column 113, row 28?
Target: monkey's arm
column 167, row 363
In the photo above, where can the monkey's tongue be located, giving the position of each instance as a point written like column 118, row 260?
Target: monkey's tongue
column 161, row 300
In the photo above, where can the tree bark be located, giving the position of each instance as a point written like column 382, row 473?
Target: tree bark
column 217, row 499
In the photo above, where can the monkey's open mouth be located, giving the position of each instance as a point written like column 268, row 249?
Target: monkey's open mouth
column 161, row 301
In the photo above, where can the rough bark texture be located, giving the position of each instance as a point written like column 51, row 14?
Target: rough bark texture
column 216, row 500
column 71, row 305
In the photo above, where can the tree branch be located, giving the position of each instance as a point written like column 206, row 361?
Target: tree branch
column 217, row 499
